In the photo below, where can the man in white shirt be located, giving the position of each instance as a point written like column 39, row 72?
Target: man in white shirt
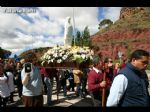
column 130, row 86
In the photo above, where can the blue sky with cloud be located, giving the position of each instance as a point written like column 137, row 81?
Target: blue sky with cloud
column 45, row 27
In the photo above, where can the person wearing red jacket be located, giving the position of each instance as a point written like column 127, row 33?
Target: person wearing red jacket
column 95, row 81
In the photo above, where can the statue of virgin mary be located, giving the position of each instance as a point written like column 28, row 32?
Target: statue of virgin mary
column 68, row 33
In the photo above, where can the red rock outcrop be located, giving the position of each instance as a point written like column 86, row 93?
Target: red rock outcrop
column 125, row 38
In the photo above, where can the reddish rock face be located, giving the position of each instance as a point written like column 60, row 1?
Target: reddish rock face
column 128, row 11
column 125, row 41
column 130, row 32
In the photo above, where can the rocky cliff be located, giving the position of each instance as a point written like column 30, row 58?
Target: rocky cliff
column 130, row 32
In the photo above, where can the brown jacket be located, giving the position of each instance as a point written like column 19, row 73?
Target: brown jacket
column 77, row 75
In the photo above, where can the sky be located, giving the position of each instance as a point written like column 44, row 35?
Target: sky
column 24, row 28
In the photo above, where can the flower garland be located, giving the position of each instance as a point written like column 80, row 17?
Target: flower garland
column 60, row 54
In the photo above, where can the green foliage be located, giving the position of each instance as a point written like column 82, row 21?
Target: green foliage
column 148, row 67
column 79, row 60
column 86, row 37
column 116, row 61
column 129, row 51
column 104, row 22
column 138, row 20
column 83, row 39
column 78, row 40
column 3, row 53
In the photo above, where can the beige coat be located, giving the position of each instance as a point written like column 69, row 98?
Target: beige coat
column 77, row 75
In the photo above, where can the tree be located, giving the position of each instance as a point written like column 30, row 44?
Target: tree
column 105, row 23
column 4, row 53
column 86, row 37
column 1, row 53
column 72, row 44
column 78, row 40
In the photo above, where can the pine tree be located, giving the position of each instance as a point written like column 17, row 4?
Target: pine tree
column 86, row 37
column 78, row 40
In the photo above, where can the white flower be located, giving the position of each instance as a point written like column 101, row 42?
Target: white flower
column 91, row 58
column 52, row 60
column 55, row 55
column 49, row 61
column 64, row 53
column 83, row 56
column 76, row 56
column 49, row 57
column 49, row 52
column 42, row 63
column 60, row 54
column 64, row 57
column 59, row 61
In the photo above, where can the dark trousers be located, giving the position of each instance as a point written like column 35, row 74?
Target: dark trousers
column 78, row 89
column 84, row 90
column 97, row 97
column 33, row 101
column 19, row 84
column 11, row 98
column 71, row 85
column 62, row 83
column 20, row 90
column 44, row 84
column 3, row 101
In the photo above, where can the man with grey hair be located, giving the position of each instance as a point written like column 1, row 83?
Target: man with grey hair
column 95, row 81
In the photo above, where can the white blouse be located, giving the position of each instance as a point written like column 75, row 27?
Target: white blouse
column 11, row 82
column 4, row 89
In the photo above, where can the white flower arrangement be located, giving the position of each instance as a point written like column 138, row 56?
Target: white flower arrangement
column 61, row 54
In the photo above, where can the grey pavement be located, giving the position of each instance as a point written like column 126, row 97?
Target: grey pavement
column 71, row 100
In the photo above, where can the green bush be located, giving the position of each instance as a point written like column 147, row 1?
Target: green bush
column 148, row 67
column 116, row 61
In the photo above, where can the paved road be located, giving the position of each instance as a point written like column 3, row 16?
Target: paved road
column 71, row 100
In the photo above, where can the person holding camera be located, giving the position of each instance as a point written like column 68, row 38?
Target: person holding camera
column 32, row 84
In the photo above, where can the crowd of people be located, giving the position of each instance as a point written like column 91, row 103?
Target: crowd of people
column 125, row 84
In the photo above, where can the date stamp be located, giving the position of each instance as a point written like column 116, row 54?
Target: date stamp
column 17, row 10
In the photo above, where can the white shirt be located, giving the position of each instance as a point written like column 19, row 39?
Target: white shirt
column 11, row 82
column 117, row 90
column 4, row 90
column 96, row 70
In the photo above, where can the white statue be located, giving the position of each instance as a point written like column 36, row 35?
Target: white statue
column 68, row 34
